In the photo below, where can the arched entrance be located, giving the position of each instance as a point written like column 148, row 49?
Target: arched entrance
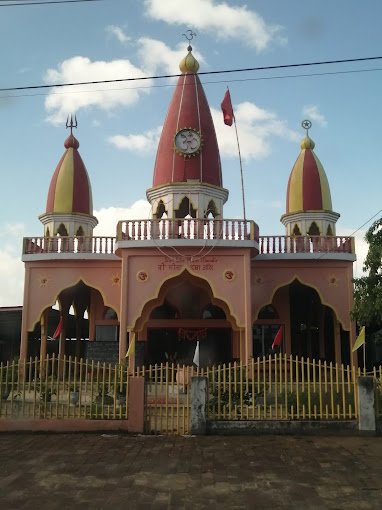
column 82, row 326
column 186, row 313
column 310, row 327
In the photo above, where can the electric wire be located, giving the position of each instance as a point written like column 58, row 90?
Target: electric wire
column 17, row 4
column 204, row 73
column 212, row 82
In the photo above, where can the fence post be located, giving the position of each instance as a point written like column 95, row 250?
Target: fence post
column 136, row 404
column 198, row 405
column 366, row 404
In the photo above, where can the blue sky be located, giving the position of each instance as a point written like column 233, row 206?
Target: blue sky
column 119, row 124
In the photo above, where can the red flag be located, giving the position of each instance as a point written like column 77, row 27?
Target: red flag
column 58, row 329
column 278, row 338
column 227, row 109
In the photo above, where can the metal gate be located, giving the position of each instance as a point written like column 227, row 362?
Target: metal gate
column 167, row 399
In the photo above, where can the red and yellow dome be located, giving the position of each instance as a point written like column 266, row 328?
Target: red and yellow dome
column 70, row 190
column 189, row 115
column 308, row 187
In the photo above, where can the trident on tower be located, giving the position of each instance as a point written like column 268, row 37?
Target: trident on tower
column 71, row 124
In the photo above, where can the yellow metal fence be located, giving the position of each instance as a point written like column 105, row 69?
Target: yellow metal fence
column 377, row 373
column 277, row 387
column 167, row 394
column 63, row 388
column 282, row 388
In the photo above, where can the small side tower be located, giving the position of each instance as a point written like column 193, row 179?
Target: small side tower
column 69, row 207
column 308, row 202
column 187, row 174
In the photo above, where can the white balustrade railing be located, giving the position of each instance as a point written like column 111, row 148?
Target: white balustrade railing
column 305, row 244
column 140, row 230
column 95, row 245
column 232, row 230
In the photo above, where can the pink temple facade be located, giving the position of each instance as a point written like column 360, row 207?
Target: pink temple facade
column 189, row 274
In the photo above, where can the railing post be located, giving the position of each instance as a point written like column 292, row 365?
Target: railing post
column 136, row 404
column 199, row 405
column 366, row 404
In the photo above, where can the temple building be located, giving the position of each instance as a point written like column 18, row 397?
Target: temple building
column 189, row 274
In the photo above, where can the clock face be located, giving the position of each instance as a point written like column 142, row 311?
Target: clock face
column 188, row 142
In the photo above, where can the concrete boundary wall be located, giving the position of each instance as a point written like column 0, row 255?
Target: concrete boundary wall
column 301, row 427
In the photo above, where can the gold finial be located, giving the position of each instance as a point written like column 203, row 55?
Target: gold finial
column 189, row 64
column 307, row 142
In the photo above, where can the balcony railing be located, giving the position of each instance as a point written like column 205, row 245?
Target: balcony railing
column 138, row 230
column 141, row 230
column 95, row 245
column 305, row 244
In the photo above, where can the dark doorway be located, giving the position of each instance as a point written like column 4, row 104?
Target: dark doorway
column 165, row 345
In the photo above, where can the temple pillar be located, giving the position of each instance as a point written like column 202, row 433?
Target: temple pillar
column 24, row 328
column 337, row 341
column 321, row 333
column 44, row 333
column 123, row 311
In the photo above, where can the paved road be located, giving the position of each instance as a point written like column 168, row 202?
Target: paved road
column 111, row 471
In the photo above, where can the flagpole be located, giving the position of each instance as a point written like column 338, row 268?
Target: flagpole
column 241, row 167
column 364, row 358
column 229, row 116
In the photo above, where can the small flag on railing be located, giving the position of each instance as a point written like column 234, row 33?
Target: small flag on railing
column 226, row 106
column 196, row 355
column 131, row 349
column 58, row 329
column 278, row 338
column 360, row 339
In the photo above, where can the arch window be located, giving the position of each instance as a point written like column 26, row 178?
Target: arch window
column 185, row 208
column 61, row 231
column 296, row 230
column 313, row 229
column 211, row 210
column 161, row 210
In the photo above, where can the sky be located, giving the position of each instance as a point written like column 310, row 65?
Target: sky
column 119, row 124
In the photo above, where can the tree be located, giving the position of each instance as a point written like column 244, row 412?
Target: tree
column 367, row 309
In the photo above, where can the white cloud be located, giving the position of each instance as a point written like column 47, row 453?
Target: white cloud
column 220, row 19
column 66, row 100
column 108, row 217
column 142, row 143
column 312, row 113
column 154, row 57
column 157, row 57
column 11, row 266
column 255, row 127
column 118, row 33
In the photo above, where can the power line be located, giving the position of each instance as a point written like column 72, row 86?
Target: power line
column 15, row 3
column 157, row 77
column 235, row 80
column 366, row 222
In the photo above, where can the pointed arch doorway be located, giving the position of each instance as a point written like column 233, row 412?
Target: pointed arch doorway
column 186, row 312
